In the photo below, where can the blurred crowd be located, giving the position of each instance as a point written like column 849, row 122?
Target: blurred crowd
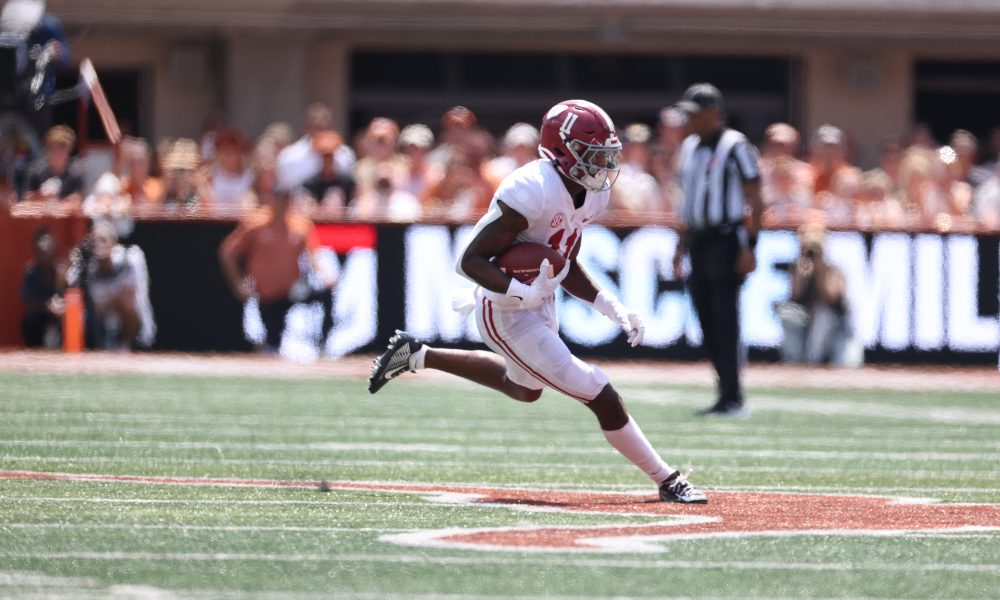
column 414, row 172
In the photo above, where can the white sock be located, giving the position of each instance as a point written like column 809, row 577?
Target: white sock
column 633, row 445
column 416, row 360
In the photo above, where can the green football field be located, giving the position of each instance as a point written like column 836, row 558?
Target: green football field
column 329, row 492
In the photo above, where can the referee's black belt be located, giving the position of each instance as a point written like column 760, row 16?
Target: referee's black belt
column 713, row 230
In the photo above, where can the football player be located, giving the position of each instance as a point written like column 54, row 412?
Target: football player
column 548, row 201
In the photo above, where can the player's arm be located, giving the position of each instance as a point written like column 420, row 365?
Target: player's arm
column 230, row 259
column 489, row 241
column 579, row 284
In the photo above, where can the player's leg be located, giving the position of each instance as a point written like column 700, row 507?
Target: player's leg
column 482, row 367
column 531, row 342
column 406, row 353
column 625, row 436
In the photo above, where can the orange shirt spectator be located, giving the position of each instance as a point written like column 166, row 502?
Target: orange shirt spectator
column 828, row 157
column 264, row 254
column 142, row 189
column 268, row 243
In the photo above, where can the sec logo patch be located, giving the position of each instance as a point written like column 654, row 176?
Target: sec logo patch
column 556, row 221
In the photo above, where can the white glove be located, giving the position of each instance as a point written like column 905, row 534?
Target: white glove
column 630, row 322
column 463, row 301
column 541, row 289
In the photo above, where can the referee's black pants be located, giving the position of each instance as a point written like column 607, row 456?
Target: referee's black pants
column 714, row 286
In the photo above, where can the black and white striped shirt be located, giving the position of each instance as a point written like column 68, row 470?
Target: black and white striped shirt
column 712, row 173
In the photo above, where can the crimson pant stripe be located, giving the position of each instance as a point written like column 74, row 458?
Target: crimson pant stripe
column 494, row 333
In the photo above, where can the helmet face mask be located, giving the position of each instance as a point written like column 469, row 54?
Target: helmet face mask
column 597, row 167
column 580, row 139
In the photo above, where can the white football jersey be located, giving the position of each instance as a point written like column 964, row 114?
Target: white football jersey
column 537, row 192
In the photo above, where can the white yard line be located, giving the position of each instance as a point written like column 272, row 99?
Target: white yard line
column 941, row 415
column 326, row 530
column 488, row 453
column 502, row 439
column 417, row 448
column 503, row 560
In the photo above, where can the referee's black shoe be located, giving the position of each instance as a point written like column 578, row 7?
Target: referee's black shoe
column 733, row 410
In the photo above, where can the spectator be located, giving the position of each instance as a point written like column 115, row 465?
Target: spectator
column 117, row 282
column 378, row 146
column 143, row 190
column 42, row 294
column 781, row 142
column 106, row 202
column 520, row 146
column 841, row 201
column 183, row 188
column 993, row 157
column 786, row 197
column 815, row 319
column 964, row 167
column 828, row 157
column 457, row 126
column 261, row 258
column 462, row 193
column 920, row 194
column 264, row 163
column 386, row 201
column 299, row 161
column 879, row 208
column 956, row 189
column 890, row 157
column 986, row 205
column 921, row 137
column 57, row 176
column 636, row 191
column 663, row 156
column 230, row 181
column 415, row 143
column 329, row 191
column 670, row 129
column 278, row 135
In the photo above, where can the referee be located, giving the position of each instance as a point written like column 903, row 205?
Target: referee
column 721, row 212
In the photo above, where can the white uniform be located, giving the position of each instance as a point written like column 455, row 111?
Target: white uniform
column 528, row 339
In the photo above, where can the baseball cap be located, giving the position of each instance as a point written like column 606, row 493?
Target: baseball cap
column 700, row 96
column 672, row 117
column 521, row 134
column 416, row 134
column 828, row 134
column 781, row 133
column 637, row 133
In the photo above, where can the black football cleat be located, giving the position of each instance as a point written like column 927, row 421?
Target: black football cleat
column 678, row 489
column 394, row 360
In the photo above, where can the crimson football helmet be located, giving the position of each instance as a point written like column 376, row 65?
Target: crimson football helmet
column 579, row 137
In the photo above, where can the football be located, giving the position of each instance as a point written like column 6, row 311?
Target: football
column 521, row 261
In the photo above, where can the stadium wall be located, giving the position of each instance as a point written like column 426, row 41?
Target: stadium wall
column 915, row 297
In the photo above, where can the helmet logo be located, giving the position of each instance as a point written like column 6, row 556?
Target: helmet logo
column 567, row 124
column 556, row 221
